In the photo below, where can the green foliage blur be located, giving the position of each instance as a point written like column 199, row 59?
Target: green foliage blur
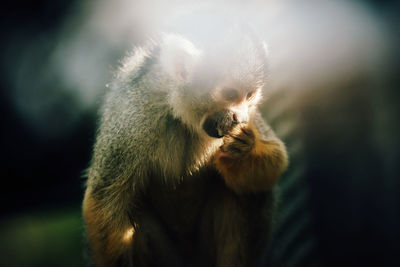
column 43, row 239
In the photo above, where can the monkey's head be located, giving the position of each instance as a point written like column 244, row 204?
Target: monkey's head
column 218, row 85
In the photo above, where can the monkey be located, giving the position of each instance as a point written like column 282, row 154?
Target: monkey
column 184, row 167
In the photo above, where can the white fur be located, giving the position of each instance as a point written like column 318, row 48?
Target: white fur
column 132, row 62
column 178, row 55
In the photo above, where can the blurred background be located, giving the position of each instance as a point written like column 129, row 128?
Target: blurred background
column 332, row 97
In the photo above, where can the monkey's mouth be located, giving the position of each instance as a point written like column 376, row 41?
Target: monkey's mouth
column 220, row 123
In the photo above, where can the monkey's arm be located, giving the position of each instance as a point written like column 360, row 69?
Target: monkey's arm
column 252, row 158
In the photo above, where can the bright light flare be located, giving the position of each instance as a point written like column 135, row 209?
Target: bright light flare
column 127, row 238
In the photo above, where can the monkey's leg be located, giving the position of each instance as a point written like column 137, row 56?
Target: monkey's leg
column 117, row 241
column 152, row 246
column 242, row 228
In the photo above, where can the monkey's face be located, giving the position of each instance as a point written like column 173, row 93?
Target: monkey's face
column 221, row 85
column 236, row 106
column 232, row 82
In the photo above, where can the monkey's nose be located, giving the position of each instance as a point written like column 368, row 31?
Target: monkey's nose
column 235, row 118
column 240, row 118
column 219, row 123
column 240, row 113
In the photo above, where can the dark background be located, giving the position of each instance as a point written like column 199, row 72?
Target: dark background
column 55, row 60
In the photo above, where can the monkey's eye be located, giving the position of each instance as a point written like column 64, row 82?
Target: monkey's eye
column 230, row 94
column 250, row 94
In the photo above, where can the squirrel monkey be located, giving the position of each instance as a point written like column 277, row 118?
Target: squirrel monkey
column 183, row 165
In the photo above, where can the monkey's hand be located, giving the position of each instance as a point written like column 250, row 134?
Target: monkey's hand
column 248, row 163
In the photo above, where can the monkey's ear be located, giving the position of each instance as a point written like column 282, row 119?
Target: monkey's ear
column 178, row 56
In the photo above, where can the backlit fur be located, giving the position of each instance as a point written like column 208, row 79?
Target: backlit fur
column 160, row 191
